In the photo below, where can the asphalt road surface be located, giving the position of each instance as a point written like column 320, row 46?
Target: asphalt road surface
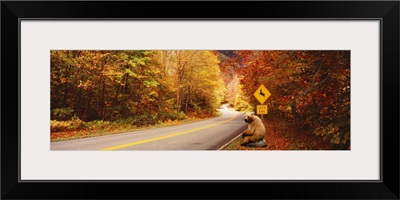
column 210, row 134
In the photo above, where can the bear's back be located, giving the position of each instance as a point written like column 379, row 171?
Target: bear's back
column 258, row 125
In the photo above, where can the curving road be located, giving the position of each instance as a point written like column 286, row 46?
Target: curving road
column 208, row 134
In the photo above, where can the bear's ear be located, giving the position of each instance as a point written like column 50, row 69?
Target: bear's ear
column 252, row 113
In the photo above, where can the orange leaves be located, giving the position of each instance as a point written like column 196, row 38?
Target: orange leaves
column 310, row 88
column 284, row 136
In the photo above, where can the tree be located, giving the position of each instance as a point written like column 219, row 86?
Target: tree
column 115, row 85
column 309, row 88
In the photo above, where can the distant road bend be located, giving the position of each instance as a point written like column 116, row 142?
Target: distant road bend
column 208, row 134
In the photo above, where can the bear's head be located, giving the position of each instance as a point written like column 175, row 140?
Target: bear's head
column 248, row 117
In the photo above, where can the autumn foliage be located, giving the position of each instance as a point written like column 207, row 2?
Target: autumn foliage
column 99, row 89
column 138, row 87
column 310, row 89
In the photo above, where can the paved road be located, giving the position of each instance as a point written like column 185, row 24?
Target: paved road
column 208, row 134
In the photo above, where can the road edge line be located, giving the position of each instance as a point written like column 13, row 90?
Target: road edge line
column 223, row 146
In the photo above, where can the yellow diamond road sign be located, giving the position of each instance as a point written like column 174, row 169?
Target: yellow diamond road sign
column 262, row 94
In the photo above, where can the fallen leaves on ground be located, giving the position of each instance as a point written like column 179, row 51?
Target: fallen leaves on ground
column 282, row 136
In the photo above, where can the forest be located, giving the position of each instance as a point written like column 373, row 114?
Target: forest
column 95, row 92
column 311, row 90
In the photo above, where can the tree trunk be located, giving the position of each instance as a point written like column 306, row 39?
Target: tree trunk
column 187, row 98
column 67, row 72
column 126, row 84
column 102, row 101
column 87, row 107
column 115, row 101
column 178, row 98
column 65, row 95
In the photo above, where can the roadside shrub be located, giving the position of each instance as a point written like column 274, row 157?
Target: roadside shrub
column 182, row 115
column 97, row 124
column 71, row 125
column 62, row 114
column 141, row 119
column 146, row 119
column 172, row 115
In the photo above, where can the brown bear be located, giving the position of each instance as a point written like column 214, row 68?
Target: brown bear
column 255, row 131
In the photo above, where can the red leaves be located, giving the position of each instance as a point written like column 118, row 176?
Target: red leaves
column 308, row 87
column 283, row 136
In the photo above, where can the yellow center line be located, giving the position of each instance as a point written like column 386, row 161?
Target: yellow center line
column 165, row 136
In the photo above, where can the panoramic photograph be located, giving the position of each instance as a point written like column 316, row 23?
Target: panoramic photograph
column 234, row 100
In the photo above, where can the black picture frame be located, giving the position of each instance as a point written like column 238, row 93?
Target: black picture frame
column 386, row 11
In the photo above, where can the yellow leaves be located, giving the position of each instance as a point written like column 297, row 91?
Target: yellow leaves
column 131, row 63
column 85, row 84
column 112, row 73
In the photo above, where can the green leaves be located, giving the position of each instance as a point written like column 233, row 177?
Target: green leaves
column 151, row 83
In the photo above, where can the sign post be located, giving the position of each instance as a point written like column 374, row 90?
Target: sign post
column 262, row 94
